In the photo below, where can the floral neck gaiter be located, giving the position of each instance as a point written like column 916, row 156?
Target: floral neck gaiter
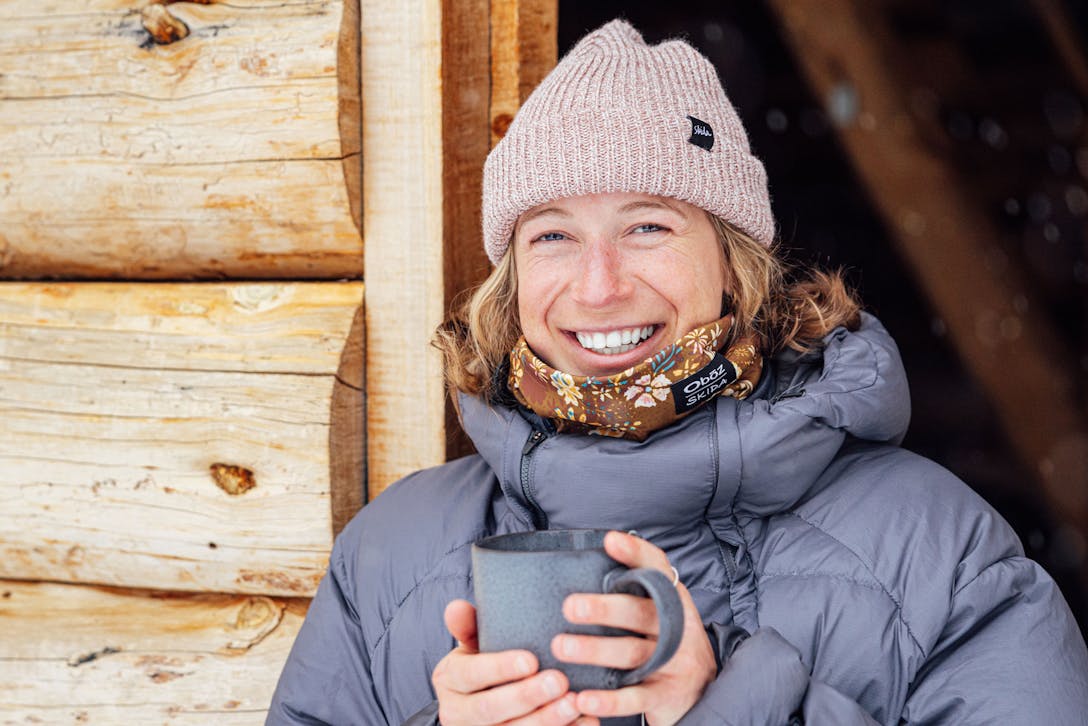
column 644, row 398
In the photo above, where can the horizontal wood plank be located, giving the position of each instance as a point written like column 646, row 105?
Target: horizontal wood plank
column 76, row 654
column 172, row 435
column 220, row 154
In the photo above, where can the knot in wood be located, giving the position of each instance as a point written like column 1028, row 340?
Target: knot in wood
column 501, row 123
column 6, row 252
column 234, row 480
column 257, row 617
column 163, row 27
column 81, row 658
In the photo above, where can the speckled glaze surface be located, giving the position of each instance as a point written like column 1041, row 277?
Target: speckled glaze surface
column 520, row 582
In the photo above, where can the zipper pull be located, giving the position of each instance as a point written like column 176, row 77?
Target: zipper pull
column 540, row 519
column 789, row 393
column 531, row 443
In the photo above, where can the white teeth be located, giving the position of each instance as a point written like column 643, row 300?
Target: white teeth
column 614, row 341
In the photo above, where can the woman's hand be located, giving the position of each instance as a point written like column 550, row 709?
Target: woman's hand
column 666, row 694
column 496, row 688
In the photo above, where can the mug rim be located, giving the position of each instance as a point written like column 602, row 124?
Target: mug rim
column 498, row 542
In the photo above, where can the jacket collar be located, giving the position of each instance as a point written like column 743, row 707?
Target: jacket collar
column 750, row 458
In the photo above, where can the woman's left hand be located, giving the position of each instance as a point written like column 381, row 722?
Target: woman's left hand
column 667, row 693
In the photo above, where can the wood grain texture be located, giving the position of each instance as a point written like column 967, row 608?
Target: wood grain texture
column 403, row 219
column 170, row 435
column 221, row 154
column 350, row 119
column 847, row 53
column 347, row 430
column 466, row 80
column 76, row 654
column 524, row 48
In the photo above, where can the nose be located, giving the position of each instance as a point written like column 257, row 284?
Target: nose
column 601, row 279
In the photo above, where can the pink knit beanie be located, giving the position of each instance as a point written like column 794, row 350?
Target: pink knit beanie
column 618, row 115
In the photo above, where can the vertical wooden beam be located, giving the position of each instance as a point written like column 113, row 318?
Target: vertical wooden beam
column 401, row 52
column 465, row 143
column 436, row 75
column 524, row 48
column 347, row 430
column 1013, row 352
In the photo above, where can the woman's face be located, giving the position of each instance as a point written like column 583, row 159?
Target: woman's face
column 607, row 280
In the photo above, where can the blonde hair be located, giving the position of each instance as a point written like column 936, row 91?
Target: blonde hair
column 784, row 307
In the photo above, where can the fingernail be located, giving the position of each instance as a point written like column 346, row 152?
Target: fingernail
column 581, row 608
column 567, row 646
column 592, row 703
column 552, row 688
column 524, row 665
column 567, row 709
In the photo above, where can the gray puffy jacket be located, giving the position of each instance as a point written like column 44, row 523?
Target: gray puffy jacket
column 876, row 587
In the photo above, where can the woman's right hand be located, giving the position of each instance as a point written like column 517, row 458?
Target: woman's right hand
column 476, row 688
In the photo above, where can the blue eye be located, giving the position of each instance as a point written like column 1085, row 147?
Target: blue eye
column 550, row 237
column 646, row 228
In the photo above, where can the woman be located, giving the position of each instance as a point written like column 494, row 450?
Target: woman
column 636, row 361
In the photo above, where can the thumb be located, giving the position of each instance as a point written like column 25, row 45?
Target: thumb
column 460, row 617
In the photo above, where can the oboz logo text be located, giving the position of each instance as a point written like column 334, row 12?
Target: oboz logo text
column 707, row 379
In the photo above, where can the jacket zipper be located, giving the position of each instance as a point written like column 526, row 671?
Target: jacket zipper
column 729, row 559
column 540, row 519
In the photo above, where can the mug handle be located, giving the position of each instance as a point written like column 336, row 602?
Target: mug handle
column 644, row 582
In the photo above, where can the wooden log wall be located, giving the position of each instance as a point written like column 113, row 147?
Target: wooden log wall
column 92, row 655
column 184, row 345
column 230, row 152
column 172, row 435
column 201, row 437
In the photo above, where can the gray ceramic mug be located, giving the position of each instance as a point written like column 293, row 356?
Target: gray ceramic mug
column 520, row 582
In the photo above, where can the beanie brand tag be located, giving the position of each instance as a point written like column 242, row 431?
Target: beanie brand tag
column 701, row 134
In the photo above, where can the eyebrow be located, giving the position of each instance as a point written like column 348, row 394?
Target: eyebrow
column 555, row 211
column 625, row 209
column 642, row 204
column 629, row 207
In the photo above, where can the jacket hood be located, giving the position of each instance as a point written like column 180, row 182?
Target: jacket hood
column 731, row 459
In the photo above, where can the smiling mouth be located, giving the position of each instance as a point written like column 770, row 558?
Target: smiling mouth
column 614, row 342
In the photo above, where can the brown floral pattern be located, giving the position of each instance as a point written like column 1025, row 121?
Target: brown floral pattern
column 641, row 399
